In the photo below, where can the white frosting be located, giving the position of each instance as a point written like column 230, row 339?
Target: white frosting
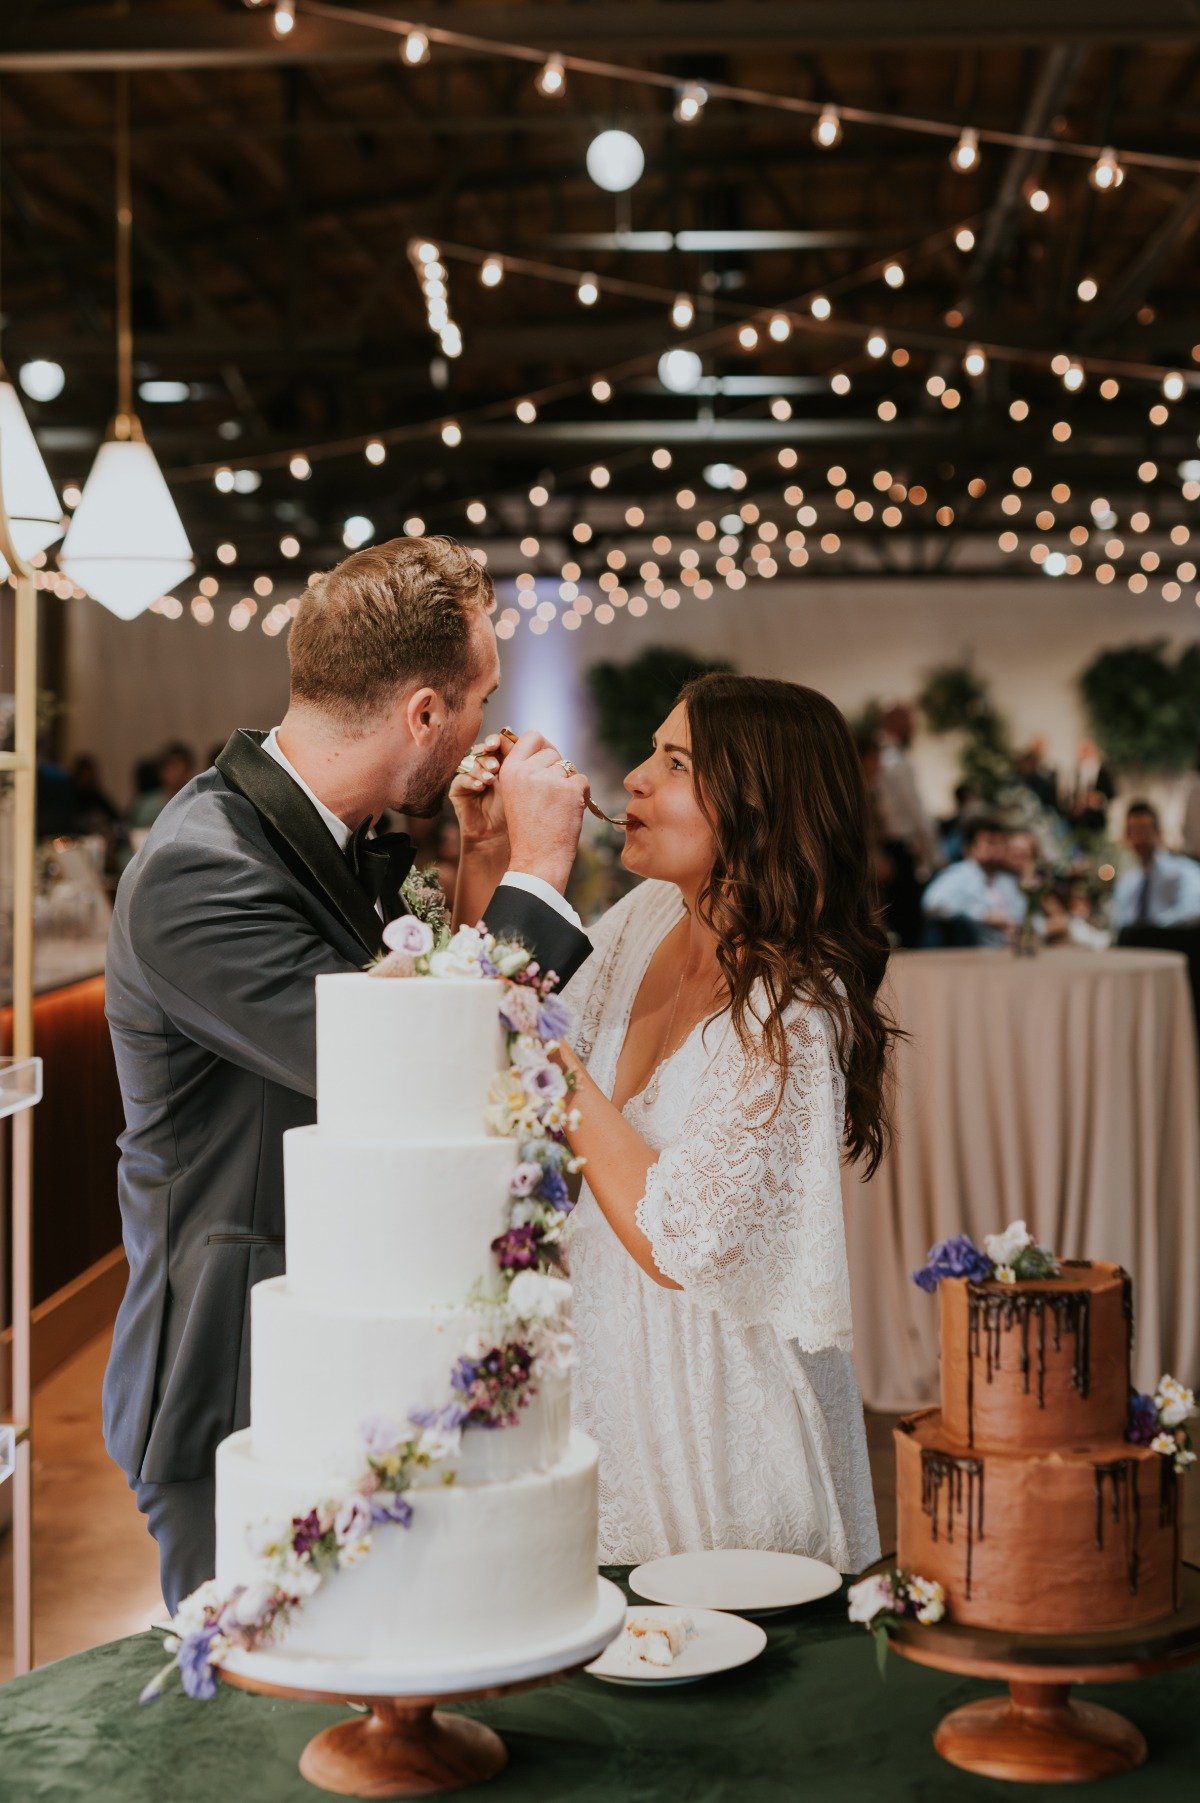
column 316, row 1373
column 484, row 1567
column 376, row 1225
column 406, row 1059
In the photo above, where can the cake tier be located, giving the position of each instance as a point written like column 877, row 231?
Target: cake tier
column 1044, row 1364
column 318, row 1372
column 1043, row 1542
column 483, row 1568
column 406, row 1060
column 376, row 1225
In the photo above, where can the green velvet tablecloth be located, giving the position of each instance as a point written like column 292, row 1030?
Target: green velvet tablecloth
column 808, row 1720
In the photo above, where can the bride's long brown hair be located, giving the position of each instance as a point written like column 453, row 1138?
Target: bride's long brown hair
column 791, row 897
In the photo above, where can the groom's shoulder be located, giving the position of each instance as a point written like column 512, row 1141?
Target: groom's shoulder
column 207, row 824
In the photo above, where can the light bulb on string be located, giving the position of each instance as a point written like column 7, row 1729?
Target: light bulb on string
column 375, row 452
column 452, row 434
column 1087, row 289
column 1173, row 386
column 588, row 291
column 690, row 102
column 975, row 361
column 965, row 154
column 415, row 49
column 683, row 311
column 526, row 412
column 827, row 132
column 820, row 306
column 283, row 18
column 491, row 272
column 300, row 467
column 964, row 238
column 1038, row 200
column 601, row 389
column 551, row 78
column 877, row 345
column 780, row 327
column 893, row 275
column 1106, row 173
column 1073, row 377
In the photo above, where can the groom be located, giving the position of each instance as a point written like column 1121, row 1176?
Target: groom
column 258, row 877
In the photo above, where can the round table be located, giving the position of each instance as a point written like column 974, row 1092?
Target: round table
column 1062, row 1089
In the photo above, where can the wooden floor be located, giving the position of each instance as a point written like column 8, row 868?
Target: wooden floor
column 95, row 1566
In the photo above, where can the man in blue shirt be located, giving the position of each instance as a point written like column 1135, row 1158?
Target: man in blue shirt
column 1162, row 889
column 977, row 901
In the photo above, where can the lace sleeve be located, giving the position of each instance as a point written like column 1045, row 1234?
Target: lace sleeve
column 745, row 1211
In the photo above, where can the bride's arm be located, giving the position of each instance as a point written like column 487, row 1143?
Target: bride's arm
column 618, row 1163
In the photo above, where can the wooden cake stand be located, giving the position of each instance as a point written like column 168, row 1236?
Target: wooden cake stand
column 1037, row 1734
column 405, row 1747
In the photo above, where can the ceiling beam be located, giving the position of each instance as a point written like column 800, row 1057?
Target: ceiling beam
column 85, row 40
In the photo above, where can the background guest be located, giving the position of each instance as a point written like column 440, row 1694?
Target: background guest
column 1023, row 855
column 1092, row 790
column 953, row 828
column 176, row 768
column 1189, row 836
column 1030, row 772
column 95, row 811
column 977, row 901
column 1162, row 889
column 909, row 836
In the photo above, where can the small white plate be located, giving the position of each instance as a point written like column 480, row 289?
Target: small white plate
column 722, row 1642
column 748, row 1583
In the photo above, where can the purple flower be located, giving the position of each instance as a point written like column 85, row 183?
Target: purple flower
column 519, row 1010
column 388, row 1505
column 196, row 1669
column 409, row 935
column 525, row 1178
column 451, row 1416
column 307, row 1531
column 1143, row 1418
column 544, row 1083
column 553, row 1189
column 957, row 1257
column 518, row 1249
column 554, row 1018
column 379, row 1435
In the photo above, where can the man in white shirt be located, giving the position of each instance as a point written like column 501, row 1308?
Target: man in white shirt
column 977, row 901
column 1162, row 889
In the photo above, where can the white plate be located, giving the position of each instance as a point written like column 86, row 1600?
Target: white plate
column 722, row 1642
column 748, row 1583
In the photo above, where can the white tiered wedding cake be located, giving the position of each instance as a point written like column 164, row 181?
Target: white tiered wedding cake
column 410, row 1473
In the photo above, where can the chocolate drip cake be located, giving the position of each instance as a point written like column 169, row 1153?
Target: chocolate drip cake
column 1021, row 1495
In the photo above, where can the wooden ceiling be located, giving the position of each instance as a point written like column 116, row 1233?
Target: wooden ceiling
column 278, row 185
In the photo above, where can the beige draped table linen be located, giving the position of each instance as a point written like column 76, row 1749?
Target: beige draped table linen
column 1062, row 1089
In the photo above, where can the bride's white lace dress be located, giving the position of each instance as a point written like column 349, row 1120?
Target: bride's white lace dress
column 727, row 1412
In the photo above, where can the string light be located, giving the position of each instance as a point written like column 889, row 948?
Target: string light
column 283, row 18
column 1087, row 289
column 975, row 361
column 820, row 306
column 964, row 238
column 289, row 546
column 827, row 132
column 1106, row 172
column 1039, row 200
column 300, row 467
column 601, row 389
column 376, row 452
column 748, row 337
column 683, row 311
column 780, row 327
column 600, row 476
column 452, row 434
column 491, row 272
column 877, row 345
column 415, row 49
column 893, row 275
column 551, row 78
column 588, row 291
column 526, row 412
column 690, row 102
column 476, row 512
column 1173, row 386
column 965, row 154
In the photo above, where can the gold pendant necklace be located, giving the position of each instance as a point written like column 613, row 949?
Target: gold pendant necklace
column 650, row 1093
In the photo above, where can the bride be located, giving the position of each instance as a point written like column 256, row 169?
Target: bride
column 729, row 1045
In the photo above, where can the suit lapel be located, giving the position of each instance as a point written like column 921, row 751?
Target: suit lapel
column 271, row 791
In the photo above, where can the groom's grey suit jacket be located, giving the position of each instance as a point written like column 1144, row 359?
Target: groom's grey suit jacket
column 238, row 900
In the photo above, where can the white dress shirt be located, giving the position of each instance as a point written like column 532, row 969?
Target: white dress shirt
column 965, row 890
column 1173, row 898
column 514, row 879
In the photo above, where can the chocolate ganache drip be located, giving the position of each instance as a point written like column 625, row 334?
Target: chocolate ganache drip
column 1125, row 1510
column 962, row 1480
column 990, row 1317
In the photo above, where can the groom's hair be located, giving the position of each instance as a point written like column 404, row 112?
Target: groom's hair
column 395, row 614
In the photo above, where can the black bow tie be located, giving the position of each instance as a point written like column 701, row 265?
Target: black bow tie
column 381, row 865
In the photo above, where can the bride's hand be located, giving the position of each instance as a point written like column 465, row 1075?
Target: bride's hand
column 477, row 802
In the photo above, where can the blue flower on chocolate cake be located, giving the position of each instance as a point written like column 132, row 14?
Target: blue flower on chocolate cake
column 956, row 1257
column 1143, row 1418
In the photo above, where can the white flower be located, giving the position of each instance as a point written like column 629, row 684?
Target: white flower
column 528, row 1053
column 870, row 1597
column 1002, row 1248
column 555, row 1353
column 928, row 1599
column 408, row 935
column 532, row 1296
column 509, row 959
column 190, row 1616
column 1004, row 1274
column 351, row 1551
column 298, row 1576
column 253, row 1606
column 1184, row 1457
column 1164, row 1443
column 440, row 1443
column 477, row 1345
column 461, row 956
column 264, row 1538
column 352, row 1522
column 1174, row 1401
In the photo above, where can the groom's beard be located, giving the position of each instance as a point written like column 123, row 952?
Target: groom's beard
column 431, row 788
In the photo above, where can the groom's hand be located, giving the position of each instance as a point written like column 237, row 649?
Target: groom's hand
column 477, row 802
column 543, row 804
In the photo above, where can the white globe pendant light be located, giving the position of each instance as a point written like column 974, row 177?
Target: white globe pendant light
column 126, row 544
column 615, row 161
column 35, row 513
